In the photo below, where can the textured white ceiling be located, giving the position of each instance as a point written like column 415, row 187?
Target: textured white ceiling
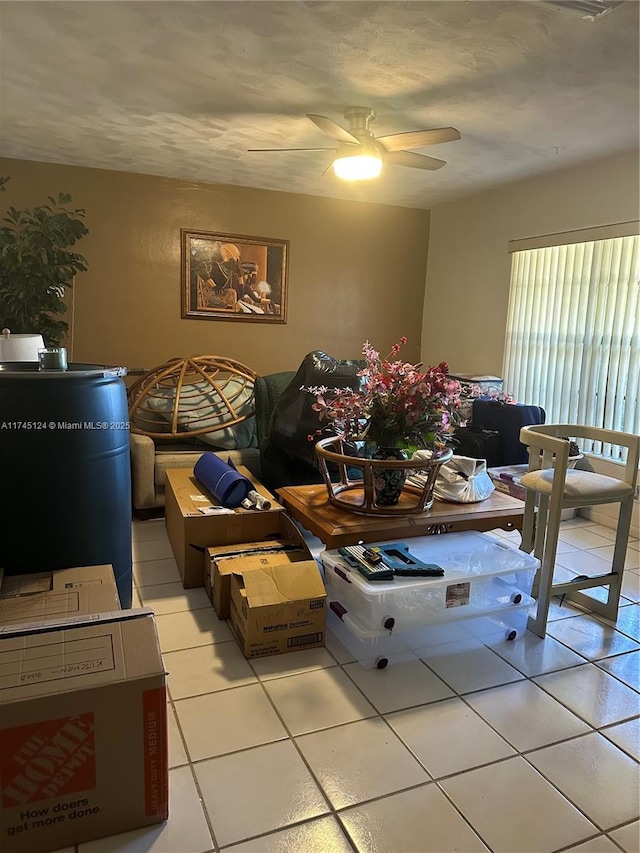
column 182, row 89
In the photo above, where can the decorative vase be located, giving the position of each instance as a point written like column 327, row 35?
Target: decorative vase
column 389, row 482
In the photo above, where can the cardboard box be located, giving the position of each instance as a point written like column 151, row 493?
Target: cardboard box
column 12, row 585
column 190, row 531
column 83, row 730
column 278, row 609
column 477, row 381
column 49, row 595
column 221, row 561
column 507, row 479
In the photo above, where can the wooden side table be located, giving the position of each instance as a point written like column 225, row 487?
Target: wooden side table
column 337, row 527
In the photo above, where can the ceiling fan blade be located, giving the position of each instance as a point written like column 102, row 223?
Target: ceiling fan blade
column 414, row 161
column 291, row 149
column 418, row 138
column 334, row 130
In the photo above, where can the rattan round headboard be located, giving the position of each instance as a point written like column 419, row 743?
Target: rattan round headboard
column 195, row 396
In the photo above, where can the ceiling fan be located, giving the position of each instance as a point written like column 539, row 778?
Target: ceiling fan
column 360, row 154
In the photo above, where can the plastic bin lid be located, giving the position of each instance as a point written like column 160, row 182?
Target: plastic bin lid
column 465, row 555
column 75, row 370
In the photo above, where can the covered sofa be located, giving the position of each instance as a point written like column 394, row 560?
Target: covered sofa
column 223, row 407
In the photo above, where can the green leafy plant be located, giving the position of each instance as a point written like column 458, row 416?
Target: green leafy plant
column 37, row 266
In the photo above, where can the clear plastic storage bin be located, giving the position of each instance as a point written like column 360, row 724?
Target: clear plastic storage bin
column 481, row 574
column 378, row 649
column 371, row 649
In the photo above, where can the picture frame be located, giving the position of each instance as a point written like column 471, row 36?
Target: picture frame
column 234, row 277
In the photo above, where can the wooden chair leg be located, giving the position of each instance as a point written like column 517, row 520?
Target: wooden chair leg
column 546, row 545
column 538, row 623
column 528, row 524
column 609, row 608
column 541, row 532
column 541, row 515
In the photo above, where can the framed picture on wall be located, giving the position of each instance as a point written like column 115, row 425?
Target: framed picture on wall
column 234, row 277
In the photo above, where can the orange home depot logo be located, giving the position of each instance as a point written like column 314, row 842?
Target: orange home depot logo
column 47, row 759
column 156, row 758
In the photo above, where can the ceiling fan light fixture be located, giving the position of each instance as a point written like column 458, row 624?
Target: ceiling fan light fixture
column 357, row 167
column 360, row 156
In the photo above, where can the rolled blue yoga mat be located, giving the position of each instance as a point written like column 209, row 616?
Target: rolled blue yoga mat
column 222, row 479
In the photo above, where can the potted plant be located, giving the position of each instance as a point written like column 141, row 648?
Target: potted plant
column 399, row 409
column 398, row 404
column 37, row 266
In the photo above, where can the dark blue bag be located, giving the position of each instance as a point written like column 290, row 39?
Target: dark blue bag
column 507, row 419
column 478, row 443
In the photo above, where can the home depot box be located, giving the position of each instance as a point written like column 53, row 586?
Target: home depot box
column 49, row 595
column 278, row 609
column 190, row 530
column 221, row 561
column 83, row 730
column 506, row 478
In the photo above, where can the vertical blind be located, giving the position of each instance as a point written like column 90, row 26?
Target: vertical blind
column 573, row 333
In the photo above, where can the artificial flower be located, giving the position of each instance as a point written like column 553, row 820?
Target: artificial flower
column 398, row 404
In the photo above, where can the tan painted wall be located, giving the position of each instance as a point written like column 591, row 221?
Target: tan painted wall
column 468, row 270
column 469, row 267
column 356, row 271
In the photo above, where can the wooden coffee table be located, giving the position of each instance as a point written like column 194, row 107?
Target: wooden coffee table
column 337, row 527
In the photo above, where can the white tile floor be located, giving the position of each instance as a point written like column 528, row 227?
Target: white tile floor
column 525, row 747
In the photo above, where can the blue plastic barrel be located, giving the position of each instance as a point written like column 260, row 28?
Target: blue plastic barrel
column 65, row 490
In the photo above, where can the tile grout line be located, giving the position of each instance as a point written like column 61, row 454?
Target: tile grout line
column 292, row 739
column 190, row 764
column 381, row 715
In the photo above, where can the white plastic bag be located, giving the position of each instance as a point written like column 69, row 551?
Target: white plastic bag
column 463, row 480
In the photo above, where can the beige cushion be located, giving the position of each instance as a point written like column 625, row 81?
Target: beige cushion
column 166, row 460
column 249, row 457
column 578, row 485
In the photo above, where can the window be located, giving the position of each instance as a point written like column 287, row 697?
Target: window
column 573, row 330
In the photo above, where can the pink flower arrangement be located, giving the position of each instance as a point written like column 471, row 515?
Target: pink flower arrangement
column 397, row 405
